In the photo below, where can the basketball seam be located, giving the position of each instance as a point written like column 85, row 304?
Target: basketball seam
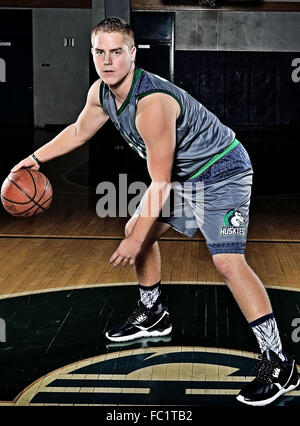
column 31, row 199
column 45, row 188
column 15, row 202
column 18, row 202
column 30, row 208
column 33, row 181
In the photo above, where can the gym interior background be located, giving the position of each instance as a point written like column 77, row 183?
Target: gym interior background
column 241, row 59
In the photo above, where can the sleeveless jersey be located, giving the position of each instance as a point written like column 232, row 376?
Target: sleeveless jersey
column 200, row 135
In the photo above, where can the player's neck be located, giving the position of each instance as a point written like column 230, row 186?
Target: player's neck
column 123, row 87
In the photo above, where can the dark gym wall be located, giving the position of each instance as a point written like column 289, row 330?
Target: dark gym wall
column 154, row 39
column 67, row 4
column 120, row 8
column 16, row 79
column 243, row 88
column 16, row 87
column 61, row 64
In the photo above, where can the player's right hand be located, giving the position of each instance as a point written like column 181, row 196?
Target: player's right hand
column 27, row 163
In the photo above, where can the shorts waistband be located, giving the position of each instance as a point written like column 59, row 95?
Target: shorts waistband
column 215, row 158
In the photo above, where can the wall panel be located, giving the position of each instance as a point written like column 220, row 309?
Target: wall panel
column 61, row 74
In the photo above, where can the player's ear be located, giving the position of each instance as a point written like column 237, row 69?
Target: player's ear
column 133, row 53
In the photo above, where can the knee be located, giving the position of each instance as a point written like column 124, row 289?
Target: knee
column 227, row 264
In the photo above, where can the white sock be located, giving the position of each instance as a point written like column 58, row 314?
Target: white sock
column 151, row 296
column 266, row 332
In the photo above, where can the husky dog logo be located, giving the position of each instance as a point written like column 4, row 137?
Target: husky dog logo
column 234, row 223
column 233, row 218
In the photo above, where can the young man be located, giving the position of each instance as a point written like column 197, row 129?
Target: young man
column 180, row 140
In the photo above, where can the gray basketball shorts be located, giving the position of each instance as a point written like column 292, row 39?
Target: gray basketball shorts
column 220, row 210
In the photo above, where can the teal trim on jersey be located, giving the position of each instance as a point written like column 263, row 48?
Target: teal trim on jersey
column 215, row 158
column 137, row 74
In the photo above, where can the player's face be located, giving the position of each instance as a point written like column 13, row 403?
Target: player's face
column 113, row 58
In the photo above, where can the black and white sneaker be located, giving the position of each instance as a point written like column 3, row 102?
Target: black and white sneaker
column 274, row 378
column 143, row 323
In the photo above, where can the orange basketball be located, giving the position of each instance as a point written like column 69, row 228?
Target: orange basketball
column 26, row 193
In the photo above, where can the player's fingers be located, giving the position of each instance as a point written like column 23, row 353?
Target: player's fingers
column 34, row 167
column 117, row 261
column 16, row 167
column 132, row 261
column 113, row 256
column 124, row 261
column 115, row 264
column 26, row 163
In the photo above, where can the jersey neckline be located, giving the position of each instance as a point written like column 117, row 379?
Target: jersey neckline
column 136, row 76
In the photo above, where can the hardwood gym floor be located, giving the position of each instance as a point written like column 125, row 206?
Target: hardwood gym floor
column 54, row 348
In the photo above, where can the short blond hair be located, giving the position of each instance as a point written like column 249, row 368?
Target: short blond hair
column 115, row 25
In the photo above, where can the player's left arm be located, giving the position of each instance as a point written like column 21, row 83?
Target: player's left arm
column 156, row 123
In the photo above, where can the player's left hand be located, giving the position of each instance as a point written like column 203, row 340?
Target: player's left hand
column 128, row 250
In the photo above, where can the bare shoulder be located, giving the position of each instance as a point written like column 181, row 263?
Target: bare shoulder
column 93, row 94
column 158, row 101
column 161, row 100
column 156, row 112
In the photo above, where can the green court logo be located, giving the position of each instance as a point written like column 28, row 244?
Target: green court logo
column 234, row 224
column 175, row 375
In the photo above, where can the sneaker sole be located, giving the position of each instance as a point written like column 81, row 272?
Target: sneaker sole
column 269, row 400
column 142, row 333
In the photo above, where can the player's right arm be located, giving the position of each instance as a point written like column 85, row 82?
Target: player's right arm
column 90, row 120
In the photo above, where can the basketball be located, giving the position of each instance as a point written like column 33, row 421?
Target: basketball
column 26, row 193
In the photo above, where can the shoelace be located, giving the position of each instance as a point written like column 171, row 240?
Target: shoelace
column 140, row 311
column 266, row 369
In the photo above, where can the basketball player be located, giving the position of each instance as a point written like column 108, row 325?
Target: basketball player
column 181, row 142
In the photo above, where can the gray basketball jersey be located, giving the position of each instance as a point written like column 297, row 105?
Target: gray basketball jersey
column 199, row 133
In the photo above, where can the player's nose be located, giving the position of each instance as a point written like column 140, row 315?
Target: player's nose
column 107, row 59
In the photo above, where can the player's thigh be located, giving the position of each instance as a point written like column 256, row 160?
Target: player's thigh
column 226, row 214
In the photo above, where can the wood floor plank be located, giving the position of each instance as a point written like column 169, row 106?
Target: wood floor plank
column 53, row 263
column 37, row 264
